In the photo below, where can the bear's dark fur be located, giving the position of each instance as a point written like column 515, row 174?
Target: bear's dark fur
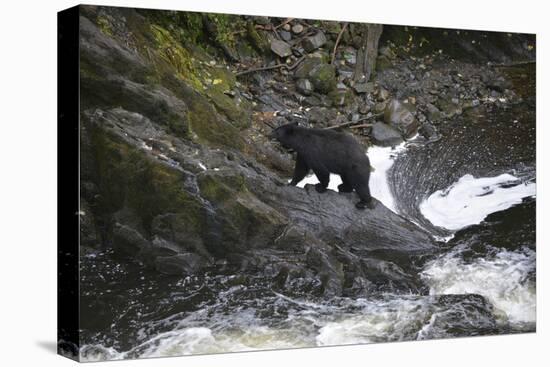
column 325, row 152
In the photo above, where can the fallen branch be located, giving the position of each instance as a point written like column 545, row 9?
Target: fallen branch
column 360, row 126
column 276, row 66
column 351, row 123
column 288, row 20
column 338, row 41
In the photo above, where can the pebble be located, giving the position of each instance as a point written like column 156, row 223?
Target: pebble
column 297, row 28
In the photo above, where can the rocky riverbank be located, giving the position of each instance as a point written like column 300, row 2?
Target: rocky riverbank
column 187, row 216
column 176, row 168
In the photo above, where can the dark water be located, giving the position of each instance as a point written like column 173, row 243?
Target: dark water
column 482, row 282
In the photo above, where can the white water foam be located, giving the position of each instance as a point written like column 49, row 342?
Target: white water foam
column 393, row 320
column 501, row 279
column 381, row 160
column 335, row 180
column 469, row 200
column 314, row 325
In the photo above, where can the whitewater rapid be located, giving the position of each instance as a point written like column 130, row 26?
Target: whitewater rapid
column 502, row 278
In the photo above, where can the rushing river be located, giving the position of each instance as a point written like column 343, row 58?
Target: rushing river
column 481, row 282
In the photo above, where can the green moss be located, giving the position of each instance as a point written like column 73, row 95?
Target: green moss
column 323, row 78
column 175, row 55
column 258, row 41
column 154, row 189
column 128, row 177
column 217, row 188
column 226, row 25
column 211, row 80
column 245, row 215
column 104, row 26
column 209, row 128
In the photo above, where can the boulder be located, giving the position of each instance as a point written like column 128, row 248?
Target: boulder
column 323, row 78
column 385, row 135
column 400, row 116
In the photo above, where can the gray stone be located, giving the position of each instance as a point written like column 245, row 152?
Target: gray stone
column 448, row 108
column 400, row 116
column 128, row 241
column 432, row 112
column 380, row 107
column 321, row 115
column 305, row 68
column 285, row 35
column 350, row 56
column 383, row 94
column 364, row 108
column 261, row 20
column 344, row 72
column 385, row 135
column 304, row 86
column 364, row 87
column 314, row 42
column 297, row 28
column 281, row 48
column 430, row 132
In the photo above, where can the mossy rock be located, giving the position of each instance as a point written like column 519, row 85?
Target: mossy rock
column 127, row 177
column 305, row 68
column 258, row 40
column 247, row 221
column 316, row 69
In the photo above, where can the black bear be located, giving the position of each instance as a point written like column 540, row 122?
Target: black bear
column 325, row 152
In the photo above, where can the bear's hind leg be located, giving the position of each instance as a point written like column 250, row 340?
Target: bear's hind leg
column 361, row 185
column 345, row 186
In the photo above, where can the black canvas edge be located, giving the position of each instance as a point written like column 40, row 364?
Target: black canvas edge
column 68, row 183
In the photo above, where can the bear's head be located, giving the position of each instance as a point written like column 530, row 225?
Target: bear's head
column 286, row 135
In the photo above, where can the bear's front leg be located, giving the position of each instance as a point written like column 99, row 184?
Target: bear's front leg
column 323, row 176
column 300, row 170
column 363, row 204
